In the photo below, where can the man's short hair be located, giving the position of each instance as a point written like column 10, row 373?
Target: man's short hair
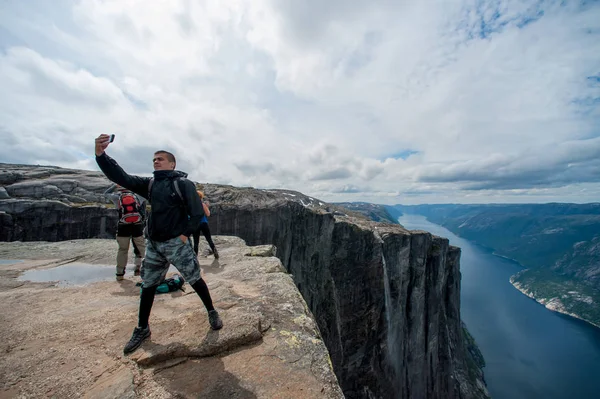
column 170, row 157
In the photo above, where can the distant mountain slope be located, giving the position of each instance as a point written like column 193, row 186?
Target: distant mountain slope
column 375, row 212
column 558, row 243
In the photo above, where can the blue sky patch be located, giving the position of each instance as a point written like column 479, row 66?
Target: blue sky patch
column 135, row 101
column 402, row 154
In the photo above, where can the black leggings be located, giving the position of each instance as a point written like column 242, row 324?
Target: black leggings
column 206, row 231
column 147, row 299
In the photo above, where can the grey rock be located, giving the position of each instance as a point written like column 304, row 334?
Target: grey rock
column 50, row 220
column 416, row 350
column 65, row 185
column 75, row 199
column 269, row 347
column 262, row 250
column 9, row 176
column 116, row 384
column 6, row 226
column 33, row 189
column 3, row 193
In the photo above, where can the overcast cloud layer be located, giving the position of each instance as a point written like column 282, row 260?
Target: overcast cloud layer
column 380, row 101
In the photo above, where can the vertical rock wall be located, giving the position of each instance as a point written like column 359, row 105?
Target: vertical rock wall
column 49, row 220
column 337, row 263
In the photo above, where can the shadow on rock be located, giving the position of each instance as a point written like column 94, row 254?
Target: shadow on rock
column 129, row 288
column 214, row 267
column 203, row 378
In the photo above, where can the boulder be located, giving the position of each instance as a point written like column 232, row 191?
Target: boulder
column 262, row 250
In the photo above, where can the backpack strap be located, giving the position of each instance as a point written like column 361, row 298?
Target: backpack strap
column 175, row 184
column 150, row 183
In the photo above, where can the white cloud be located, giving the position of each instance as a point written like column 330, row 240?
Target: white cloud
column 382, row 101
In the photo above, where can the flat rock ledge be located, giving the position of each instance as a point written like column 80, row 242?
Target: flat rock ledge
column 66, row 341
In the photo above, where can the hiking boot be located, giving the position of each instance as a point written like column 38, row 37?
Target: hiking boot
column 214, row 320
column 120, row 277
column 138, row 336
column 216, row 253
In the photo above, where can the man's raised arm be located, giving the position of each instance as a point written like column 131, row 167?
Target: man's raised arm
column 115, row 173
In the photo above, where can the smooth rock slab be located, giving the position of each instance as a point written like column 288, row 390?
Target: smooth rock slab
column 68, row 342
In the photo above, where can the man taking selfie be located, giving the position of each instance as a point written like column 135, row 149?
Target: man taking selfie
column 176, row 213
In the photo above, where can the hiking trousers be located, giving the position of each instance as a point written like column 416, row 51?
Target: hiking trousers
column 205, row 230
column 125, row 234
column 159, row 254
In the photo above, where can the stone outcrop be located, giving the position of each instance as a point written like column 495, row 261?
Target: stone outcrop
column 66, row 342
column 53, row 204
column 386, row 300
column 50, row 220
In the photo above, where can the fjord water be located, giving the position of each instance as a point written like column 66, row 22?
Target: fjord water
column 530, row 351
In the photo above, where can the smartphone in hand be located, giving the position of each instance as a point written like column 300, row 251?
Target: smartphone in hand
column 112, row 138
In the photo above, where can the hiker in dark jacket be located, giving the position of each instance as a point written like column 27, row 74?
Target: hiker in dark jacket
column 176, row 212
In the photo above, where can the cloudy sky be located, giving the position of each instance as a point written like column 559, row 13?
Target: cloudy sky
column 346, row 100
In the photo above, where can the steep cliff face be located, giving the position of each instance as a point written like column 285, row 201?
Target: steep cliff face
column 386, row 300
column 48, row 220
column 46, row 203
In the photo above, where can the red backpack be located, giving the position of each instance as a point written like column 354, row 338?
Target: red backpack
column 129, row 208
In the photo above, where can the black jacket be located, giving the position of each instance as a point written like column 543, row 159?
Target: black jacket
column 170, row 216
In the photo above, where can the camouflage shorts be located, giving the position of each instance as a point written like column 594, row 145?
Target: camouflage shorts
column 175, row 252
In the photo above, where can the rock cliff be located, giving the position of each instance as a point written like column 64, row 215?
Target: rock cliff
column 53, row 204
column 386, row 300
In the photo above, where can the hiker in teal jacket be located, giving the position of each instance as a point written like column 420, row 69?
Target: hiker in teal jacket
column 176, row 211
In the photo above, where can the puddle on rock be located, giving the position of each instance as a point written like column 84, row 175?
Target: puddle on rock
column 72, row 274
column 9, row 261
column 76, row 274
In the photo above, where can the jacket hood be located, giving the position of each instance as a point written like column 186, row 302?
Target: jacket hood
column 169, row 174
